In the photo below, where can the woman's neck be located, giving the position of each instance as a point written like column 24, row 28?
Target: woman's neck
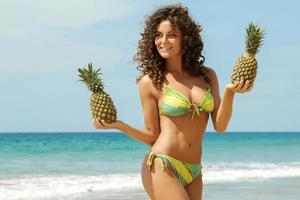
column 174, row 65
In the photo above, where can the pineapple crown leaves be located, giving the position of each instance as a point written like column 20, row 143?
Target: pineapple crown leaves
column 91, row 78
column 254, row 38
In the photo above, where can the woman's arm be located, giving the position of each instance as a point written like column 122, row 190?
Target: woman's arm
column 143, row 135
column 223, row 107
column 149, row 134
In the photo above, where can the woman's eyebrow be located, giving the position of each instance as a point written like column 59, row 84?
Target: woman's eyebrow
column 168, row 32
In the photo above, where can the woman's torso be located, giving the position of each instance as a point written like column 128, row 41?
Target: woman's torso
column 181, row 136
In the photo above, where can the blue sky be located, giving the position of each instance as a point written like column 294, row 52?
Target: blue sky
column 44, row 42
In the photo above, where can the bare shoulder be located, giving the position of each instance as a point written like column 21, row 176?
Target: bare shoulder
column 146, row 86
column 145, row 81
column 214, row 83
column 210, row 73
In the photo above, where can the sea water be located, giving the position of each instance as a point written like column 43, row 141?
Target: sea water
column 67, row 165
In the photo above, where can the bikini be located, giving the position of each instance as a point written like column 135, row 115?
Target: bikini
column 175, row 104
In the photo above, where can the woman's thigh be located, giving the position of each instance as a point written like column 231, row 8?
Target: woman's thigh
column 162, row 185
column 195, row 188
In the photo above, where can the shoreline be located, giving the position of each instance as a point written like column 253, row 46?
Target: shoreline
column 268, row 189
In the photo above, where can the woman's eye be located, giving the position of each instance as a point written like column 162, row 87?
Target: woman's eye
column 173, row 35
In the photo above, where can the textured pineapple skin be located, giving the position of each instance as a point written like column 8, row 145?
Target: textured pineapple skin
column 102, row 107
column 245, row 68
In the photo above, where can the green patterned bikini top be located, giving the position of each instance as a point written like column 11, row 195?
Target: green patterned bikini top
column 175, row 103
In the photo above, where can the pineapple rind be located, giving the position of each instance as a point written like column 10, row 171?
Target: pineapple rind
column 245, row 68
column 102, row 107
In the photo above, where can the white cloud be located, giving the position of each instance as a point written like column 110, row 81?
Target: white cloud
column 61, row 13
column 32, row 33
column 52, row 54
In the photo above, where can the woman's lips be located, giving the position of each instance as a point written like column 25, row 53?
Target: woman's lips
column 166, row 48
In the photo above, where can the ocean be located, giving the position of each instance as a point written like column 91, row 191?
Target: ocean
column 106, row 165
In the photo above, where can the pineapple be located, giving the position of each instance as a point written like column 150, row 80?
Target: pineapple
column 246, row 66
column 101, row 104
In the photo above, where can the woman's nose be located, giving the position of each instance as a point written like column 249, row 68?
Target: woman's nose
column 164, row 39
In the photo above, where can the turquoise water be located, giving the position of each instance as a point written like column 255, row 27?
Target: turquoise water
column 252, row 147
column 76, row 163
column 60, row 153
column 92, row 153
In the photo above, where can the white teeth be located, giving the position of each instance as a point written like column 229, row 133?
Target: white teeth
column 166, row 48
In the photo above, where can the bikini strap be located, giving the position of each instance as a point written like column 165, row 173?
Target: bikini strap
column 150, row 159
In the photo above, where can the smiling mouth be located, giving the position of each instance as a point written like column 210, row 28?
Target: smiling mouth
column 165, row 48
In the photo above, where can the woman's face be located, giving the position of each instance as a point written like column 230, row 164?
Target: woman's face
column 167, row 40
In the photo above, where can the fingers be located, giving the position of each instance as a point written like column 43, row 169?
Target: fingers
column 235, row 86
column 248, row 86
column 103, row 123
column 242, row 86
column 251, row 86
column 98, row 124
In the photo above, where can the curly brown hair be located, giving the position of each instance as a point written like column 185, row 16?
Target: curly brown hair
column 148, row 59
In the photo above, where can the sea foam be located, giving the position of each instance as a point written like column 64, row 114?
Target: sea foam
column 230, row 172
column 36, row 187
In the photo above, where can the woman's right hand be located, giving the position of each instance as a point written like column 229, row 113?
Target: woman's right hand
column 103, row 125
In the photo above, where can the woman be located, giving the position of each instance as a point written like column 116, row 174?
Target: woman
column 178, row 93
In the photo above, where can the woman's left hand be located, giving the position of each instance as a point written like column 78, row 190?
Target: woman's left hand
column 240, row 87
